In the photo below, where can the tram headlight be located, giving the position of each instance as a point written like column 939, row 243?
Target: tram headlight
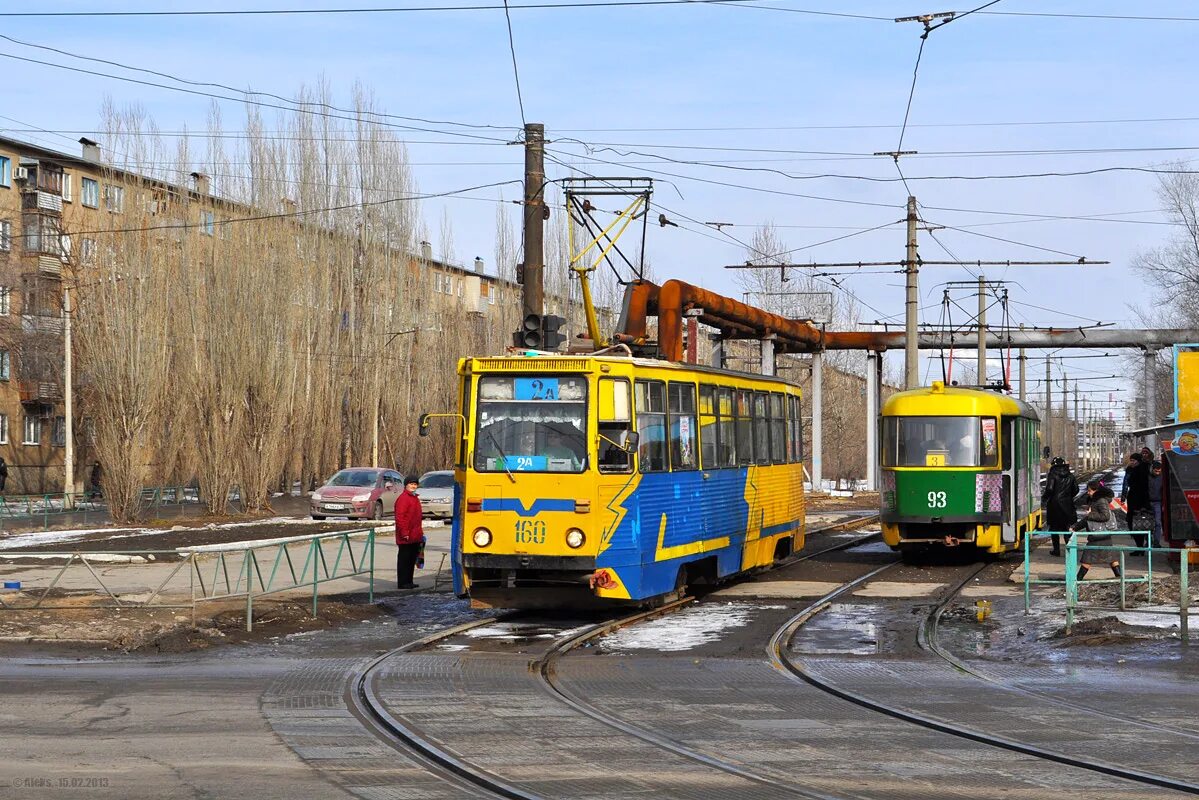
column 575, row 538
column 481, row 537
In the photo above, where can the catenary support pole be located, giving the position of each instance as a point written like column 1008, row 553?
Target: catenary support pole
column 68, row 453
column 982, row 330
column 1151, row 418
column 1065, row 415
column 534, row 220
column 1023, row 374
column 911, row 357
column 1076, row 449
column 871, row 420
column 1047, row 428
column 768, row 355
column 817, row 421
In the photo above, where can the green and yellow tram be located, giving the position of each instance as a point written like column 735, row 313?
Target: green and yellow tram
column 960, row 467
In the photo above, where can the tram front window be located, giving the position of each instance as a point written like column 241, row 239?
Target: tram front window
column 939, row 442
column 531, row 424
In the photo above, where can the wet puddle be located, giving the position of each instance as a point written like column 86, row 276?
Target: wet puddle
column 842, row 629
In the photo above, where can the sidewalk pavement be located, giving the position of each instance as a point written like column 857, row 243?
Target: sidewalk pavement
column 1044, row 566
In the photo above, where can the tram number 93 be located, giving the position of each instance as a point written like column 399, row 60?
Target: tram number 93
column 530, row 532
column 937, row 500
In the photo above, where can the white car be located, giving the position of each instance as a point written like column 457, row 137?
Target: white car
column 436, row 493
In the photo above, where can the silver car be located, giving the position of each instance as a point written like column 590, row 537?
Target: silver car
column 436, row 493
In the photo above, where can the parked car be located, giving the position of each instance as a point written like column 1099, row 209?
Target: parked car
column 436, row 493
column 358, row 493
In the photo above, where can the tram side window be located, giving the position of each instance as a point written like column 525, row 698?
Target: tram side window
column 682, row 426
column 795, row 430
column 615, row 420
column 745, row 431
column 989, row 441
column 726, row 428
column 709, row 431
column 761, row 413
column 651, row 425
column 778, row 428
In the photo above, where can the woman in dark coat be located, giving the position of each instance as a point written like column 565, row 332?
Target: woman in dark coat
column 1061, row 487
column 1098, row 520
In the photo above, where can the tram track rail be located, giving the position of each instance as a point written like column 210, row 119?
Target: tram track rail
column 364, row 699
column 778, row 651
column 927, row 638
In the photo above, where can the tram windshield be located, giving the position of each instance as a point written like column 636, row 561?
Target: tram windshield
column 940, row 442
column 531, row 423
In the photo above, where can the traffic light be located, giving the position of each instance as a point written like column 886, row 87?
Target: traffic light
column 529, row 334
column 541, row 332
column 551, row 332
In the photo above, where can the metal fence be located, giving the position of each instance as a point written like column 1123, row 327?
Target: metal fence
column 21, row 510
column 202, row 574
column 1076, row 547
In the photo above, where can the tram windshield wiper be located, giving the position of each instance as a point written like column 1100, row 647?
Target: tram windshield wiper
column 503, row 456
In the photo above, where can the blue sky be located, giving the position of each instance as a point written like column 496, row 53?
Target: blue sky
column 718, row 66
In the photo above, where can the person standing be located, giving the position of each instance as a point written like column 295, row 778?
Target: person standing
column 3, row 474
column 409, row 533
column 1136, row 494
column 1061, row 487
column 1155, row 500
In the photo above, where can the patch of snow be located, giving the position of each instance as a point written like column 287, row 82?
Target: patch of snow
column 685, row 630
column 453, row 648
column 48, row 537
column 91, row 558
column 1145, row 619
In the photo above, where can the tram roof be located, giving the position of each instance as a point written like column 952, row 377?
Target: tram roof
column 955, row 401
column 563, row 361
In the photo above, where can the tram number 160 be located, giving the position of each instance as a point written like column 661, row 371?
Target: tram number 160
column 530, row 532
column 936, row 499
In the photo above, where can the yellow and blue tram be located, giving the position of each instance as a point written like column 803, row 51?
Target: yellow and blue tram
column 598, row 479
column 959, row 467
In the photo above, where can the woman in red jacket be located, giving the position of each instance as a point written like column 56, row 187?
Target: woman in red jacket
column 409, row 533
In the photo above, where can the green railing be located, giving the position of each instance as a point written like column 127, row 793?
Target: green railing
column 1076, row 547
column 214, row 573
column 85, row 505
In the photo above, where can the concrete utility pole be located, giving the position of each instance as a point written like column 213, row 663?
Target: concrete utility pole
column 982, row 330
column 1151, row 418
column 767, row 354
column 1047, row 434
column 817, row 421
column 911, row 357
column 1077, row 426
column 1023, row 374
column 872, row 358
column 533, row 269
column 1065, row 415
column 68, row 452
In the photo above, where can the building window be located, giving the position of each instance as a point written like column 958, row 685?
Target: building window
column 65, row 241
column 3, row 428
column 5, row 236
column 5, row 171
column 87, row 251
column 41, row 235
column 89, row 191
column 437, row 283
column 5, row 365
column 58, row 434
column 207, row 223
column 33, row 430
column 5, row 301
column 68, row 193
column 459, row 287
column 114, row 198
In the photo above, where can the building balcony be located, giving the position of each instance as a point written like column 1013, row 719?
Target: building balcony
column 39, row 392
column 50, row 265
column 44, row 202
column 42, row 323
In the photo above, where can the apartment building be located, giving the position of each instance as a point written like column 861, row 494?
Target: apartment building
column 49, row 202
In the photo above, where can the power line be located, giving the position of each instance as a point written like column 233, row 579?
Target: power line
column 190, row 82
column 294, row 214
column 298, row 109
column 515, row 70
column 378, row 10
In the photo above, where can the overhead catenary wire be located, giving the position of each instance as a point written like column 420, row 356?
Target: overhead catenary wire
column 520, row 100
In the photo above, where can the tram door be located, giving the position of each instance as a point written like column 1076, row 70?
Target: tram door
column 1010, row 446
